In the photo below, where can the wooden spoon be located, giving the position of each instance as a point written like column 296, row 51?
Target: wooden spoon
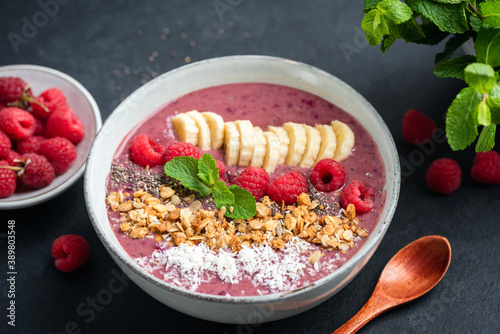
column 412, row 272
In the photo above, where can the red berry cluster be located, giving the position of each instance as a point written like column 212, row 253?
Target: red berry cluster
column 37, row 135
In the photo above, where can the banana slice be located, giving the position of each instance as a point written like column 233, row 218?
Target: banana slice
column 298, row 141
column 231, row 143
column 186, row 128
column 312, row 147
column 272, row 157
column 246, row 142
column 284, row 142
column 345, row 140
column 216, row 124
column 259, row 147
column 328, row 142
column 203, row 129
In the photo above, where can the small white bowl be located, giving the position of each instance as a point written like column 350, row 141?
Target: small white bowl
column 226, row 70
column 41, row 78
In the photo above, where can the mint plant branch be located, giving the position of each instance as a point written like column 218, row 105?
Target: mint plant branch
column 475, row 112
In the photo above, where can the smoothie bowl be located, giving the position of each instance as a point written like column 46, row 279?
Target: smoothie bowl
column 326, row 197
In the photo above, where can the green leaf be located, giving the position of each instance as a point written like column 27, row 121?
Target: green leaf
column 244, row 205
column 448, row 17
column 450, row 1
column 387, row 42
column 452, row 45
column 487, row 46
column 207, row 169
column 185, row 169
column 480, row 76
column 476, row 23
column 483, row 114
column 375, row 26
column 410, row 31
column 493, row 102
column 454, row 68
column 221, row 193
column 486, row 141
column 461, row 127
column 432, row 33
column 395, row 10
column 490, row 11
column 370, row 4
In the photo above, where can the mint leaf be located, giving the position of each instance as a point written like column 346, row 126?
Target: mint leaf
column 395, row 10
column 486, row 140
column 476, row 23
column 452, row 45
column 487, row 46
column 480, row 76
column 207, row 169
column 375, row 26
column 370, row 4
column 432, row 33
column 450, row 1
column 493, row 101
column 454, row 68
column 490, row 11
column 221, row 193
column 185, row 169
column 244, row 205
column 410, row 31
column 387, row 42
column 461, row 127
column 448, row 17
column 483, row 114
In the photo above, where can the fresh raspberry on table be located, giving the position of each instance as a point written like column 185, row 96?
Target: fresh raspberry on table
column 17, row 123
column 51, row 99
column 443, row 176
column 30, row 144
column 417, row 128
column 287, row 188
column 70, row 251
column 253, row 179
column 328, row 175
column 37, row 171
column 11, row 158
column 358, row 194
column 144, row 151
column 39, row 126
column 13, row 89
column 8, row 180
column 5, row 145
column 486, row 167
column 222, row 169
column 60, row 152
column 181, row 149
column 63, row 122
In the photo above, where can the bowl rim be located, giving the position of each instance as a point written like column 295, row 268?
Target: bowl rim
column 6, row 204
column 125, row 259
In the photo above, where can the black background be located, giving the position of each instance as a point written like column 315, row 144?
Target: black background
column 93, row 41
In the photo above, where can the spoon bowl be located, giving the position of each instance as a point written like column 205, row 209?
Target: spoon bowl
column 411, row 273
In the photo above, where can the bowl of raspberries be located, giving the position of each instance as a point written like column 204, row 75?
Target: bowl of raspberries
column 48, row 122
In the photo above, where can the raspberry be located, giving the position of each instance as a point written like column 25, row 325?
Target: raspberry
column 51, row 99
column 287, row 187
column 7, row 180
column 359, row 195
column 253, row 179
column 5, row 145
column 70, row 251
column 60, row 152
column 13, row 89
column 222, row 169
column 3, row 106
column 417, row 128
column 17, row 123
column 38, row 172
column 30, row 144
column 39, row 126
column 181, row 149
column 486, row 167
column 443, row 176
column 328, row 175
column 144, row 151
column 65, row 123
column 11, row 156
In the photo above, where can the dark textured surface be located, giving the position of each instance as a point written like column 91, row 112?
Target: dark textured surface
column 94, row 40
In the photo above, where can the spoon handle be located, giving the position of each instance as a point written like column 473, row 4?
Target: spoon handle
column 376, row 305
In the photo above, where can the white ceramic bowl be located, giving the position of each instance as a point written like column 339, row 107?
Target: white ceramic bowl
column 225, row 70
column 41, row 78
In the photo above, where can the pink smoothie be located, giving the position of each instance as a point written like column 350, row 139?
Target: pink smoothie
column 263, row 105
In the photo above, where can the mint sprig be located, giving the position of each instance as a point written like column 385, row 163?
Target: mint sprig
column 203, row 176
column 475, row 112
